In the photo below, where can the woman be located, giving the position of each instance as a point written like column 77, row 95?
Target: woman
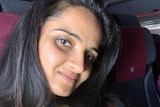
column 60, row 53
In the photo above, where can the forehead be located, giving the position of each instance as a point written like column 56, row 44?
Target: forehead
column 78, row 20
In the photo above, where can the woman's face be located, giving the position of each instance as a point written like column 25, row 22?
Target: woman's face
column 67, row 47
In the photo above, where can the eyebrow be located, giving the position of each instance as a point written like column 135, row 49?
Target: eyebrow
column 72, row 34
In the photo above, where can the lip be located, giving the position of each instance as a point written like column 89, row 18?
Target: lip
column 69, row 77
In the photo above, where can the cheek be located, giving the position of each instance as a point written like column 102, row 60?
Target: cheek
column 86, row 75
column 46, row 58
column 47, row 54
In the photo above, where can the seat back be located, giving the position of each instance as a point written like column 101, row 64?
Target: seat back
column 7, row 23
column 130, row 68
column 131, row 63
column 133, row 69
column 149, row 82
column 157, row 44
column 156, row 64
column 132, row 76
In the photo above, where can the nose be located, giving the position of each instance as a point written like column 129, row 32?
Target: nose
column 76, row 62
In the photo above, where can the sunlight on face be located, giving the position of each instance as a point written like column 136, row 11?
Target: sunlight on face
column 67, row 47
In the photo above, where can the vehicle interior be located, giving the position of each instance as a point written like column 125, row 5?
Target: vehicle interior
column 136, row 74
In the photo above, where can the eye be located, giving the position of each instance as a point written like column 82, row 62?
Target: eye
column 90, row 58
column 65, row 42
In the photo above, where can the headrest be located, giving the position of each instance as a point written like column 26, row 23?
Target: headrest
column 131, row 62
column 126, row 20
column 15, row 6
column 151, row 51
column 7, row 23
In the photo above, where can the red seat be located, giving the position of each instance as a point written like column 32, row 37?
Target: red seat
column 7, row 23
column 131, row 63
column 133, row 69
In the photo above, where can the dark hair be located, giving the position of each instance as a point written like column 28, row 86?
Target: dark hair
column 21, row 76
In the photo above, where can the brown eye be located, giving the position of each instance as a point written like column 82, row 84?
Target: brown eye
column 64, row 42
column 90, row 58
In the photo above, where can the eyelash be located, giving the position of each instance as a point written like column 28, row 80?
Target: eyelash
column 90, row 58
column 64, row 42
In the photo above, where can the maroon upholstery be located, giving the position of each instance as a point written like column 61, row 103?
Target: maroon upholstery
column 7, row 23
column 131, row 63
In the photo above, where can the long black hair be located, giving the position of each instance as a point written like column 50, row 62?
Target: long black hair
column 21, row 76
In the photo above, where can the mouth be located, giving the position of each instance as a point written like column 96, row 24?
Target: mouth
column 69, row 77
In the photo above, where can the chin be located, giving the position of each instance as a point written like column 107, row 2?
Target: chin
column 64, row 94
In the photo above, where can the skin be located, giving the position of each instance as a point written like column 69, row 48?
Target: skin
column 67, row 47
